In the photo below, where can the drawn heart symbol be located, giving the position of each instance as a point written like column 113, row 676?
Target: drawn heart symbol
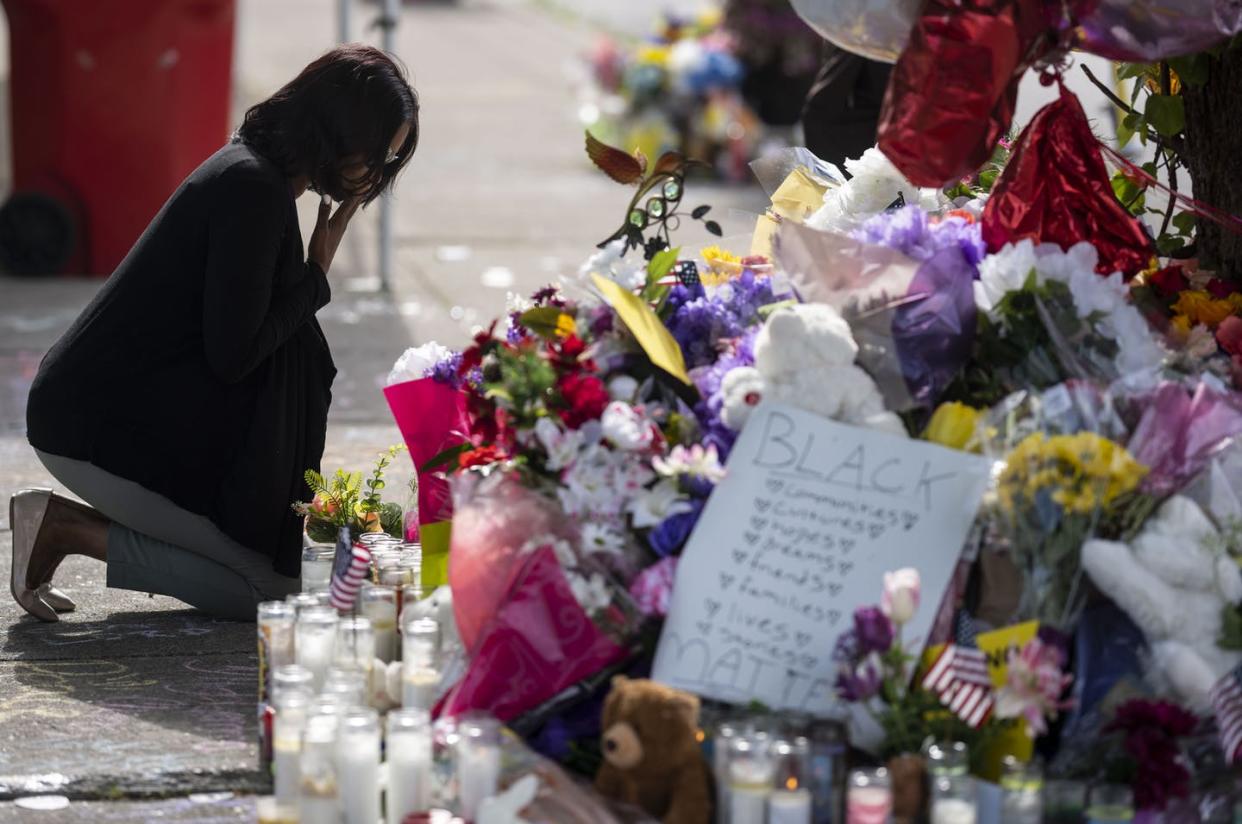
column 705, row 627
column 774, row 486
column 910, row 519
column 762, row 504
column 739, row 556
column 876, row 530
column 830, row 564
column 847, row 544
column 834, row 615
column 846, row 566
column 809, row 662
column 712, row 607
column 803, row 638
column 726, row 579
column 758, row 523
column 834, row 590
column 751, row 537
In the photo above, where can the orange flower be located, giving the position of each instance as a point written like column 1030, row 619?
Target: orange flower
column 1201, row 307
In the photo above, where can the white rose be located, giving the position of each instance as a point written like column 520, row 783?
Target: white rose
column 652, row 507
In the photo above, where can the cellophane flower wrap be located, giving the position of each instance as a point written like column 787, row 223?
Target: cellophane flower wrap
column 1063, row 476
column 534, row 612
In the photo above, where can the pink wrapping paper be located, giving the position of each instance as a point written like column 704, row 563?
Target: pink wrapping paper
column 538, row 643
column 432, row 417
column 1181, row 429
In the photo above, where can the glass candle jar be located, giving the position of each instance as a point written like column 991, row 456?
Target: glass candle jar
column 317, row 567
column 291, row 708
column 723, row 734
column 301, row 600
column 315, row 640
column 1022, row 792
column 1110, row 804
column 357, row 766
column 828, row 773
column 955, row 800
column 790, row 801
column 275, row 637
column 318, row 801
column 1065, row 801
column 869, row 797
column 420, row 663
column 409, row 763
column 751, row 771
column 477, row 761
column 349, row 683
column 355, row 644
column 379, row 604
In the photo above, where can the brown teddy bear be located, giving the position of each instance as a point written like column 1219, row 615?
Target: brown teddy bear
column 651, row 752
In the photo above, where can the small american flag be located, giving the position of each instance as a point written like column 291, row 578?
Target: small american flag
column 349, row 570
column 1227, row 702
column 959, row 677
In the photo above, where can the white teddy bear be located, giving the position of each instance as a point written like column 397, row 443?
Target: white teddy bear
column 1174, row 586
column 804, row 356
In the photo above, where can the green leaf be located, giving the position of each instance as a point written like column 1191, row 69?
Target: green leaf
column 1129, row 125
column 765, row 311
column 1193, row 69
column 661, row 264
column 1128, row 70
column 446, row 459
column 1166, row 114
column 1168, row 244
column 713, row 227
column 1184, row 222
column 700, row 212
column 542, row 320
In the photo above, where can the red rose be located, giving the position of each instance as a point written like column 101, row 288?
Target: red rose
column 572, row 347
column 1229, row 335
column 585, row 397
column 1168, row 281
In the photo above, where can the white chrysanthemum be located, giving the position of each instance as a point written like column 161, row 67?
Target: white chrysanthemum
column 600, row 536
column 1005, row 271
column 653, row 506
column 591, row 593
column 695, row 461
column 416, row 362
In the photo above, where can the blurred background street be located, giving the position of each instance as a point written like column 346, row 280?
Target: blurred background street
column 134, row 699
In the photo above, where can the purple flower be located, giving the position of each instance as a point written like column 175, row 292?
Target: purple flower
column 708, row 380
column 909, row 231
column 700, row 322
column 672, row 532
column 446, row 370
column 846, row 650
column 873, row 629
column 859, row 683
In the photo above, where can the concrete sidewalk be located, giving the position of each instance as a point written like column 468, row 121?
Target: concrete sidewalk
column 138, row 709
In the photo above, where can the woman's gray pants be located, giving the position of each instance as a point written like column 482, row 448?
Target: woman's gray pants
column 156, row 546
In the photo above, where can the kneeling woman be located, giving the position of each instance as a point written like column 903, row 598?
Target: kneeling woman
column 187, row 400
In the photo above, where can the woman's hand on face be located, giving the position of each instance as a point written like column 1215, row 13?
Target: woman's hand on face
column 329, row 229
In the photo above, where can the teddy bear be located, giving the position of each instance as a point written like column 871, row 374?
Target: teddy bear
column 804, row 356
column 652, row 757
column 1175, row 585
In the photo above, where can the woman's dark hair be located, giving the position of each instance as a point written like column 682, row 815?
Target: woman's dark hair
column 350, row 102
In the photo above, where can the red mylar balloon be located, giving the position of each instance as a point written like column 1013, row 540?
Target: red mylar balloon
column 951, row 95
column 1056, row 189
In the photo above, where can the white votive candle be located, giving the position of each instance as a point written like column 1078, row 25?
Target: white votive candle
column 789, row 807
column 287, row 727
column 409, row 763
column 318, row 800
column 750, row 782
column 379, row 603
column 478, row 762
column 419, row 688
column 316, row 641
column 953, row 811
column 357, row 766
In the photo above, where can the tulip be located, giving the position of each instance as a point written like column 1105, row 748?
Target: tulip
column 901, row 595
column 953, row 425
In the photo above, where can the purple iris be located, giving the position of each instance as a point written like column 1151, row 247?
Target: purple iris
column 860, row 683
column 873, row 629
column 909, row 231
column 673, row 532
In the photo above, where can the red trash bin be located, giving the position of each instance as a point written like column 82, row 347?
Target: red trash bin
column 112, row 105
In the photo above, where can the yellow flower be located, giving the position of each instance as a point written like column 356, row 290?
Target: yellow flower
column 1201, row 307
column 953, row 425
column 1082, row 473
column 653, row 55
column 1181, row 325
column 722, row 265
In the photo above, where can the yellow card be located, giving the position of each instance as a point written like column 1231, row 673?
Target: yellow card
column 799, row 196
column 645, row 326
column 765, row 231
column 435, row 542
column 997, row 645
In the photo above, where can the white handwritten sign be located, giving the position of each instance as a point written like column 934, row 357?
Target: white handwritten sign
column 797, row 537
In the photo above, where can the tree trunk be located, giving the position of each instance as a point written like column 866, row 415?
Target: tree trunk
column 1214, row 157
